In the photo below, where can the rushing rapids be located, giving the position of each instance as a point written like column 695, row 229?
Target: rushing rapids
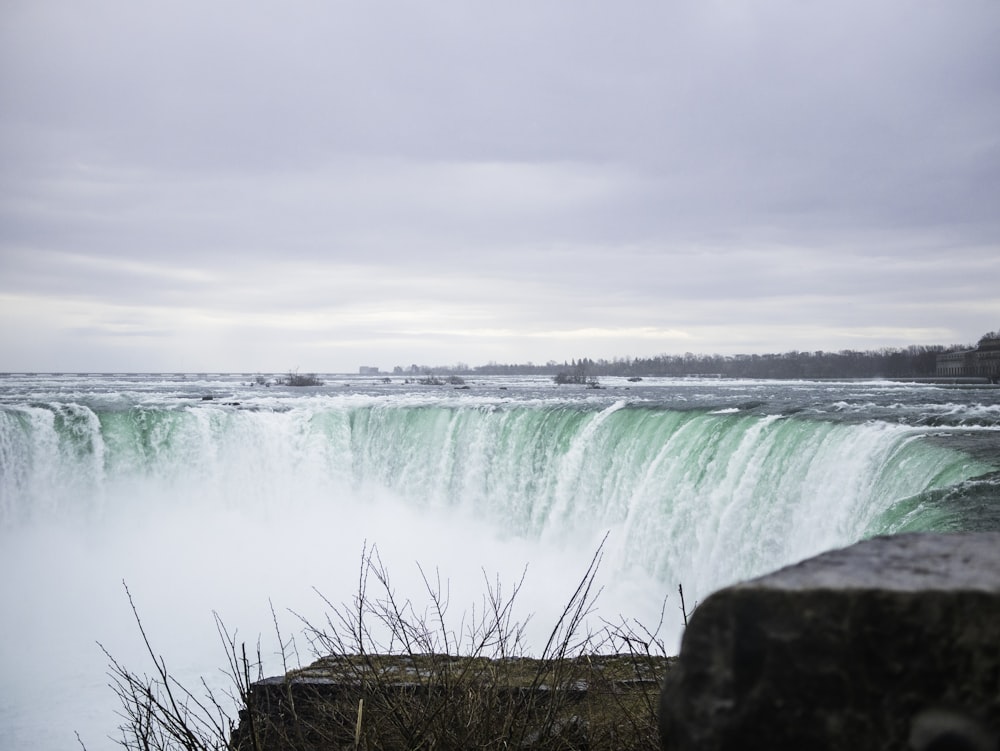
column 705, row 496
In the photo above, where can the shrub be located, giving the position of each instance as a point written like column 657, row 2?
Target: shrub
column 391, row 676
column 297, row 379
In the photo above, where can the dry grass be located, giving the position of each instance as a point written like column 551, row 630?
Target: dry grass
column 390, row 675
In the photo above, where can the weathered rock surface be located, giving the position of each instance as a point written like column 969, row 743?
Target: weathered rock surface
column 448, row 702
column 868, row 647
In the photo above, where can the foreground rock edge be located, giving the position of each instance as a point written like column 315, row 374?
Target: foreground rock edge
column 589, row 701
column 852, row 649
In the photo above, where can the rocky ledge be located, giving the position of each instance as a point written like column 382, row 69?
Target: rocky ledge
column 892, row 643
column 449, row 702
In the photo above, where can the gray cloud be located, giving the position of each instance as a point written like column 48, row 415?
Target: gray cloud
column 495, row 181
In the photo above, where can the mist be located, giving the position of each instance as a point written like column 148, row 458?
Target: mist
column 186, row 557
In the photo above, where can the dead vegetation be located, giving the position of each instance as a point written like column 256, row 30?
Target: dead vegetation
column 389, row 674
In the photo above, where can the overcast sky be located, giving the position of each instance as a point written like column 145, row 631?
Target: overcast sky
column 258, row 186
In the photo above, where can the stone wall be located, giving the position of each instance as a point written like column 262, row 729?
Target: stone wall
column 886, row 644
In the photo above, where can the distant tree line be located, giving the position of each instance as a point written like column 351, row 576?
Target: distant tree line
column 915, row 361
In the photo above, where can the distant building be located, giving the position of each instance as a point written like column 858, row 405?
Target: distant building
column 981, row 362
column 368, row 370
